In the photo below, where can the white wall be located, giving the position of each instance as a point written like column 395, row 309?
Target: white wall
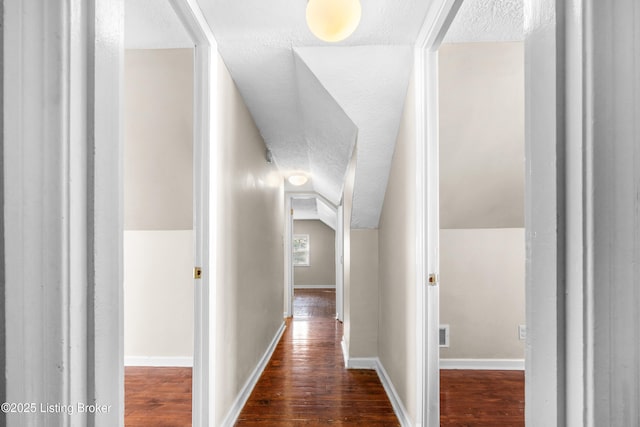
column 158, row 297
column 397, row 257
column 158, row 193
column 250, row 239
column 482, row 292
column 321, row 270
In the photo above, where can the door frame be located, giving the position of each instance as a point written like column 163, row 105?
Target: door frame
column 206, row 148
column 288, row 251
column 559, row 360
column 435, row 26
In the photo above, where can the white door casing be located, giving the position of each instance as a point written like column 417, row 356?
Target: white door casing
column 206, row 148
column 437, row 22
column 63, row 225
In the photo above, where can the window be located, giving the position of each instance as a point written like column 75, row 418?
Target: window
column 301, row 250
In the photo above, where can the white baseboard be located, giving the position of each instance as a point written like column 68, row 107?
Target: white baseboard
column 158, row 361
column 396, row 402
column 245, row 392
column 483, row 364
column 345, row 352
column 314, row 286
column 362, row 363
column 375, row 364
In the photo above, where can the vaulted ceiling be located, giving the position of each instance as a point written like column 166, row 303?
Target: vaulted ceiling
column 313, row 100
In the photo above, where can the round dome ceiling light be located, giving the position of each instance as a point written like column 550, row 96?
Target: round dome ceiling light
column 333, row 20
column 298, row 180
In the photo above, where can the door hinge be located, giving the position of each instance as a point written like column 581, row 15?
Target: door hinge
column 433, row 279
column 197, row 272
column 291, row 211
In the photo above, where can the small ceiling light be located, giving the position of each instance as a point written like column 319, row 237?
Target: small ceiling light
column 298, row 180
column 333, row 20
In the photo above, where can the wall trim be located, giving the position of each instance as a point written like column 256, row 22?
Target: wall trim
column 245, row 392
column 314, row 286
column 483, row 364
column 374, row 363
column 159, row 361
column 345, row 352
column 362, row 363
column 396, row 402
column 427, row 335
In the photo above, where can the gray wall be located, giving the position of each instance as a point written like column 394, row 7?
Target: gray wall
column 251, row 251
column 321, row 270
column 158, row 139
column 364, row 293
column 396, row 339
column 482, row 293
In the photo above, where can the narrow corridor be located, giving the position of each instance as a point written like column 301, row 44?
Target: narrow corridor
column 306, row 383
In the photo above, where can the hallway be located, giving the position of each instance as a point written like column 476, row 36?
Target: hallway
column 305, row 383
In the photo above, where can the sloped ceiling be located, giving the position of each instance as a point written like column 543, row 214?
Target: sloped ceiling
column 313, row 100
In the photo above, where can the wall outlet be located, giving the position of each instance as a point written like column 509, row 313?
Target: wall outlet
column 522, row 332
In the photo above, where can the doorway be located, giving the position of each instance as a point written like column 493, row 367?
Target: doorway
column 158, row 227
column 482, row 236
column 168, row 192
column 432, row 244
column 313, row 249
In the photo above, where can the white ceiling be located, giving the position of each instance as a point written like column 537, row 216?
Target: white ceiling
column 152, row 24
column 487, row 21
column 312, row 100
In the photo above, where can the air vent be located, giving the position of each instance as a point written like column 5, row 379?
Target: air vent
column 444, row 335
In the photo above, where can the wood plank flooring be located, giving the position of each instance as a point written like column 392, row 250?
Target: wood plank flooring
column 481, row 398
column 158, row 397
column 306, row 384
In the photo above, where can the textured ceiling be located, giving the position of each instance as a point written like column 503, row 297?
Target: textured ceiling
column 487, row 21
column 312, row 100
column 152, row 24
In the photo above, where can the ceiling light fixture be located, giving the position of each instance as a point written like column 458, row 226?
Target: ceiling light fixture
column 333, row 20
column 298, row 180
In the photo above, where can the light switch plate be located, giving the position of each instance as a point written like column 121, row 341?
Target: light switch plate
column 522, row 332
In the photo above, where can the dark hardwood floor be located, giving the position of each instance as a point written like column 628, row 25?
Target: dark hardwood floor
column 305, row 384
column 481, row 398
column 158, row 397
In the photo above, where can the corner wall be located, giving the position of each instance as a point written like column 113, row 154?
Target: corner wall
column 251, row 252
column 397, row 317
